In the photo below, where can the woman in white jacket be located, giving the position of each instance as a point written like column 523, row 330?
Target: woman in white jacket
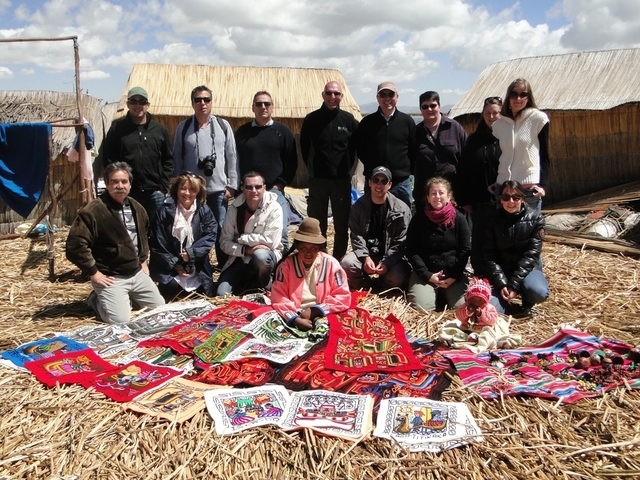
column 523, row 132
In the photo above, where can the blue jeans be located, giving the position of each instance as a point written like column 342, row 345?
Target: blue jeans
column 534, row 289
column 217, row 204
column 240, row 276
column 285, row 217
column 535, row 203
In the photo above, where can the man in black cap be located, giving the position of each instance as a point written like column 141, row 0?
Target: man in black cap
column 146, row 146
column 387, row 138
column 378, row 223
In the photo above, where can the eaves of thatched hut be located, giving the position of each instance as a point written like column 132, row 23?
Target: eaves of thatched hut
column 295, row 92
column 593, row 102
column 44, row 106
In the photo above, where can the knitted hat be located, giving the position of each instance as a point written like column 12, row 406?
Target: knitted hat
column 309, row 231
column 479, row 288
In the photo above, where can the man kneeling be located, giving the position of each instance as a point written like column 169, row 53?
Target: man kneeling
column 108, row 241
column 252, row 237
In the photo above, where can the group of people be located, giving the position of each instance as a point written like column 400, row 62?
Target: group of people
column 168, row 204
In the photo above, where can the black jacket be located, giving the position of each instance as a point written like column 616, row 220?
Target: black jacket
column 165, row 248
column 390, row 144
column 513, row 243
column 327, row 143
column 147, row 148
column 478, row 168
column 431, row 248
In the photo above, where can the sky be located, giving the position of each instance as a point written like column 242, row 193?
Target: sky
column 420, row 44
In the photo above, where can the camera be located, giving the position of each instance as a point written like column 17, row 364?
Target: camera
column 189, row 266
column 207, row 164
column 373, row 245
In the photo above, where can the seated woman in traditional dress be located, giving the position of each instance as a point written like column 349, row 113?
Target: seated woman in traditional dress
column 309, row 284
column 182, row 237
column 513, row 244
column 438, row 247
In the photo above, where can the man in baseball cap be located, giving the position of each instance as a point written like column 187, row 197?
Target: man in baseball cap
column 378, row 223
column 387, row 137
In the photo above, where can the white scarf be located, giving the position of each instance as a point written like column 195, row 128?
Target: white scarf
column 182, row 224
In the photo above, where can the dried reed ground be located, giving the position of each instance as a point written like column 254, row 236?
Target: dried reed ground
column 69, row 432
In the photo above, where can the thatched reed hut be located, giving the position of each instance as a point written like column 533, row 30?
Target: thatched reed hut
column 43, row 106
column 593, row 102
column 295, row 92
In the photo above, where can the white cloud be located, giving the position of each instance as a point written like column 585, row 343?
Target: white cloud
column 27, row 72
column 601, row 24
column 94, row 75
column 5, row 72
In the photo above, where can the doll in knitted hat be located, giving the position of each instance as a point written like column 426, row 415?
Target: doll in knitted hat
column 476, row 312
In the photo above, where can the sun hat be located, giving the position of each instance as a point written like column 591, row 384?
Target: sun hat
column 309, row 232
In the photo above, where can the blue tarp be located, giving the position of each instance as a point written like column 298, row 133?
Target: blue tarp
column 24, row 164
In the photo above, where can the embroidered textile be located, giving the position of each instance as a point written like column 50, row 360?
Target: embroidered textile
column 558, row 368
column 255, row 372
column 70, row 367
column 47, row 348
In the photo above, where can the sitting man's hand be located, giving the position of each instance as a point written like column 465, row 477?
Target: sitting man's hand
column 102, row 279
column 251, row 250
column 369, row 266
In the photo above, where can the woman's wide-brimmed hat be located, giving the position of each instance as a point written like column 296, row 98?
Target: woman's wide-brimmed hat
column 309, row 231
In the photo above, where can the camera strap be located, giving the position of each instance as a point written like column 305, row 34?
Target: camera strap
column 196, row 127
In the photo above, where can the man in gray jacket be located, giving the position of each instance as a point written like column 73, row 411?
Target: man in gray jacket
column 378, row 222
column 205, row 145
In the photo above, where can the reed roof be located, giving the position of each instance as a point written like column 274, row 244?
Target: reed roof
column 295, row 91
column 575, row 81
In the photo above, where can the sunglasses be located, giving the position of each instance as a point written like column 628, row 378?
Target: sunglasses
column 431, row 106
column 262, row 104
column 386, row 95
column 133, row 101
column 382, row 181
column 201, row 99
column 335, row 94
column 493, row 101
column 515, row 94
column 505, row 197
column 253, row 187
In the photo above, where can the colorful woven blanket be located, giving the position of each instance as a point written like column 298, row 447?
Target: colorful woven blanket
column 570, row 366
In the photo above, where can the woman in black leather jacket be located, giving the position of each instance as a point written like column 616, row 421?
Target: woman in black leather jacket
column 513, row 243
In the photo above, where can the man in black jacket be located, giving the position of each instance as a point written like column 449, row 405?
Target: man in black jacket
column 387, row 138
column 108, row 242
column 146, row 146
column 329, row 151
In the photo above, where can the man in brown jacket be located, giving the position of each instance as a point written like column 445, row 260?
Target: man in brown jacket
column 108, row 241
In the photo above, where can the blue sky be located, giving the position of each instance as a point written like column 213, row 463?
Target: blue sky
column 421, row 45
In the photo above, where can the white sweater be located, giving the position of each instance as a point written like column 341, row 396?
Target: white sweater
column 520, row 159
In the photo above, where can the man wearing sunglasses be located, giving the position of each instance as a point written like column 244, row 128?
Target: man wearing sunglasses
column 145, row 145
column 387, row 138
column 439, row 144
column 205, row 144
column 269, row 148
column 251, row 237
column 378, row 223
column 328, row 150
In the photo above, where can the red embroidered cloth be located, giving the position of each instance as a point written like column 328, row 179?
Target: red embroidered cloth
column 131, row 380
column 69, row 367
column 255, row 372
column 361, row 342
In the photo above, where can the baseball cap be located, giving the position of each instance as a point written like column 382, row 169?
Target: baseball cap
column 137, row 91
column 387, row 86
column 383, row 170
